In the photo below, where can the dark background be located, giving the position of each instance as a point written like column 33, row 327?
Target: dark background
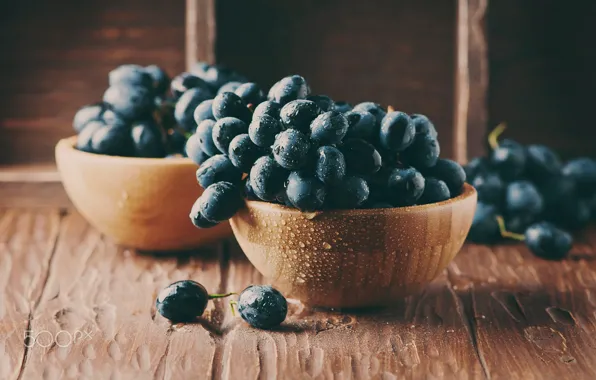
column 55, row 57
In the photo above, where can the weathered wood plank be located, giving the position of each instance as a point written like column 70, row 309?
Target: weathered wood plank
column 46, row 195
column 425, row 336
column 108, row 292
column 200, row 31
column 27, row 240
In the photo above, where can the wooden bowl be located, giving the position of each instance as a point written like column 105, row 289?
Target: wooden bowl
column 353, row 258
column 141, row 203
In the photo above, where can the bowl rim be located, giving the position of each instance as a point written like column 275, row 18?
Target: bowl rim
column 468, row 192
column 68, row 145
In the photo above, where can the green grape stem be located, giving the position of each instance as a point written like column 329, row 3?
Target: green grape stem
column 493, row 136
column 213, row 296
column 232, row 304
column 508, row 234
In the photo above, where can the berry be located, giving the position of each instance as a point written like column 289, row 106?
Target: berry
column 397, row 131
column 330, row 165
column 204, row 136
column 248, row 191
column 130, row 75
column 243, row 152
column 161, row 80
column 324, row 102
column 289, row 88
column 228, row 104
column 130, row 102
column 583, row 172
column 362, row 125
column 225, row 130
column 361, row 157
column 374, row 108
column 298, row 114
column 291, row 149
column 518, row 223
column 86, row 114
column 435, row 190
column 449, row 172
column 423, row 153
column 193, row 150
column 404, row 186
column 229, row 87
column 572, row 214
column 329, row 128
column 547, row 241
column 220, row 201
column 175, row 141
column 305, row 192
column 186, row 105
column 112, row 141
column 423, row 125
column 485, row 228
column 474, row 167
column 509, row 160
column 216, row 169
column 490, row 188
column 262, row 306
column 350, row 193
column 204, row 111
column 541, row 163
column 86, row 135
column 198, row 219
column 216, row 75
column 267, row 178
column 343, row 107
column 523, row 198
column 250, row 93
column 263, row 129
column 184, row 82
column 147, row 140
column 267, row 108
column 182, row 301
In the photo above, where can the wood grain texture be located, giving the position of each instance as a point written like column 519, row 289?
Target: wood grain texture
column 56, row 58
column 200, row 31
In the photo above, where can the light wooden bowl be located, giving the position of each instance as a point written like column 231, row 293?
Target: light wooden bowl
column 353, row 258
column 141, row 203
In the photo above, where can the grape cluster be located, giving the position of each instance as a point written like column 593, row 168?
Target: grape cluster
column 145, row 114
column 311, row 153
column 527, row 193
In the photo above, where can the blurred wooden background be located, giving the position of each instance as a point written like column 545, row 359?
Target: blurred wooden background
column 540, row 60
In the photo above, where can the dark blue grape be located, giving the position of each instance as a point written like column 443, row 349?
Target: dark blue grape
column 112, row 141
column 243, row 152
column 161, row 80
column 583, row 172
column 523, row 198
column 423, row 153
column 130, row 102
column 291, row 149
column 374, row 108
column 182, row 301
column 361, row 157
column 342, row 106
column 490, row 188
column 198, row 219
column 220, row 201
column 85, row 137
column 435, row 191
column 186, row 105
column 329, row 128
column 229, row 87
column 193, row 150
column 204, row 136
column 130, row 75
column 225, row 130
column 216, row 75
column 248, row 191
column 509, row 160
column 362, row 125
column 147, row 140
column 267, row 178
column 547, row 241
column 397, row 131
column 175, row 141
column 518, row 223
column 324, row 102
column 267, row 108
column 423, row 125
column 350, row 193
column 262, row 130
column 184, row 82
column 476, row 166
column 216, row 169
column 262, row 306
column 541, row 163
column 228, row 104
column 204, row 111
column 485, row 229
column 449, row 172
column 86, row 114
column 250, row 93
column 404, row 186
column 289, row 88
column 305, row 192
column 330, row 165
column 298, row 114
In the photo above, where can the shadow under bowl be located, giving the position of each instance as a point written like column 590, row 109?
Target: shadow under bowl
column 141, row 203
column 353, row 258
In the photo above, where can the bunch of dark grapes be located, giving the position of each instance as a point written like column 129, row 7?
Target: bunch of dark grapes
column 527, row 193
column 312, row 153
column 145, row 114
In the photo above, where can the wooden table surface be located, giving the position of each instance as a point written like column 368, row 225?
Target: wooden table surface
column 495, row 313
